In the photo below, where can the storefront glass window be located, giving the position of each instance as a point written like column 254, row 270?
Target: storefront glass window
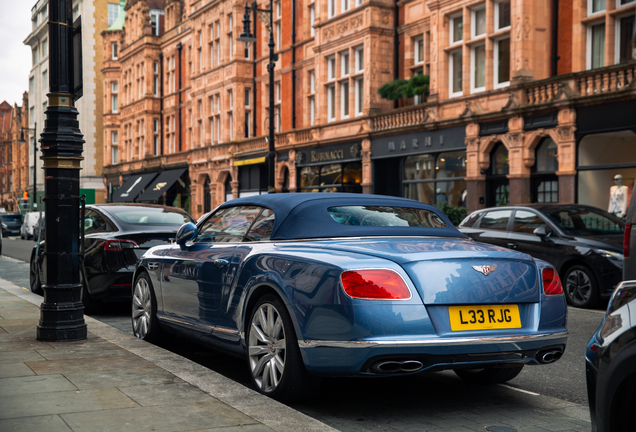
column 420, row 167
column 451, row 165
column 309, row 176
column 436, row 178
column 352, row 173
column 547, row 157
column 330, row 174
column 500, row 161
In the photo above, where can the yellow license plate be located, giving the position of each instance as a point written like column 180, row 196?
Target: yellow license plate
column 484, row 317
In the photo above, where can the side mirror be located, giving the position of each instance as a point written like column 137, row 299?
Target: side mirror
column 186, row 233
column 541, row 232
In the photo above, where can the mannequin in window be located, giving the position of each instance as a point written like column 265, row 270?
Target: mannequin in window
column 618, row 197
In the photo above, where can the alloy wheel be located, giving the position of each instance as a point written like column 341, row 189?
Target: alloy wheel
column 578, row 286
column 141, row 308
column 267, row 351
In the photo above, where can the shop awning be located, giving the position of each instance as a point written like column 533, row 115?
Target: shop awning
column 162, row 183
column 133, row 187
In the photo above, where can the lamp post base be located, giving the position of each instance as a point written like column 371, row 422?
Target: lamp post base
column 62, row 314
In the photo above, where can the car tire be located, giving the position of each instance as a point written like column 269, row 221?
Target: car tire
column 275, row 363
column 489, row 375
column 580, row 287
column 144, row 310
column 34, row 277
column 91, row 305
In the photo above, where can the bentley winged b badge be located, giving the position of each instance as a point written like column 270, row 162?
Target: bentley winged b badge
column 486, row 270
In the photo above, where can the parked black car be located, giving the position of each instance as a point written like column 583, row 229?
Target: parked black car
column 610, row 364
column 116, row 235
column 11, row 223
column 584, row 243
column 629, row 242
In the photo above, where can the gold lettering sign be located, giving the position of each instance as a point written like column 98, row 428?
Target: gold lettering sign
column 160, row 186
column 327, row 156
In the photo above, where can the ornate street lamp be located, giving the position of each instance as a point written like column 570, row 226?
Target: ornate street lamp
column 35, row 158
column 266, row 16
column 62, row 144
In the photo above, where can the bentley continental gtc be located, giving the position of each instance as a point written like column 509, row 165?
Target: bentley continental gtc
column 319, row 284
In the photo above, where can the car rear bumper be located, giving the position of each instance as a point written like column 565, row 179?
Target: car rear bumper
column 359, row 357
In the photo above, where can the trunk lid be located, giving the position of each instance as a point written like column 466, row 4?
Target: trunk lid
column 450, row 271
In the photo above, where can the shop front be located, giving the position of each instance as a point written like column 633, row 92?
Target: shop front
column 169, row 187
column 428, row 166
column 252, row 176
column 606, row 155
column 333, row 168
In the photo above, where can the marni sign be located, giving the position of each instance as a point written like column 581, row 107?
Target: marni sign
column 419, row 142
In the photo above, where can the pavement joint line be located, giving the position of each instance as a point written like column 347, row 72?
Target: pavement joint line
column 263, row 409
column 519, row 390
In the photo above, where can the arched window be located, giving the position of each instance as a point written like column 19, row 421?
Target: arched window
column 228, row 189
column 497, row 177
column 207, row 200
column 545, row 183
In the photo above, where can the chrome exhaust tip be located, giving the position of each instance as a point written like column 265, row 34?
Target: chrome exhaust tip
column 394, row 366
column 549, row 356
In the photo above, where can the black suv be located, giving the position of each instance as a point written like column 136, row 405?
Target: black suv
column 584, row 243
column 11, row 223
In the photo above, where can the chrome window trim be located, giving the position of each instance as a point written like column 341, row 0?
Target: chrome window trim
column 433, row 341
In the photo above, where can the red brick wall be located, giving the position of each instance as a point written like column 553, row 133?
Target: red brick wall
column 564, row 38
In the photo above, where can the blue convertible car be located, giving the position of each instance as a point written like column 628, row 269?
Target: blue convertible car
column 310, row 285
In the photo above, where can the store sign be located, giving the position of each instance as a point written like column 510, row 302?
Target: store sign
column 328, row 154
column 419, row 142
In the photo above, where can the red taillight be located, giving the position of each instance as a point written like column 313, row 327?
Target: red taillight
column 628, row 233
column 119, row 245
column 551, row 282
column 374, row 285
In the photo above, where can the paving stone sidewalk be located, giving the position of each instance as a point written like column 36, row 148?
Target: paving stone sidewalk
column 115, row 382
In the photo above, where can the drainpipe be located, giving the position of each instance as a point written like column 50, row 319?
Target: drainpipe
column 179, row 47
column 293, row 71
column 254, row 118
column 555, row 35
column 160, row 103
column 396, row 47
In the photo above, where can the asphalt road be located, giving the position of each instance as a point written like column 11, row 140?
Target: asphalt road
column 564, row 379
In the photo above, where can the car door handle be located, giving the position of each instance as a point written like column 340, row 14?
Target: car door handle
column 220, row 263
column 512, row 245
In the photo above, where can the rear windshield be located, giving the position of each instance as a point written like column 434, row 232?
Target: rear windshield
column 149, row 216
column 386, row 216
column 11, row 218
column 582, row 221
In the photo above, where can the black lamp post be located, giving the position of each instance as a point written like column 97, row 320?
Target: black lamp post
column 35, row 158
column 62, row 144
column 248, row 38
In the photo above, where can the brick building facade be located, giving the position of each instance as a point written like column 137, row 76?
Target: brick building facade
column 529, row 101
column 14, row 156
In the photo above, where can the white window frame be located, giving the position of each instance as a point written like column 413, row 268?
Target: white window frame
column 620, row 5
column 589, row 42
column 312, row 20
column 358, row 3
column 473, row 68
column 473, row 21
column 312, row 110
column 248, row 97
column 331, row 102
column 278, row 36
column 344, row 6
column 497, row 84
column 331, row 8
column 331, row 68
column 344, row 99
column 344, row 64
column 358, row 89
column 617, row 34
column 451, row 73
column 590, row 4
column 312, row 81
column 359, row 59
column 451, row 29
column 113, row 50
column 418, row 43
column 497, row 11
